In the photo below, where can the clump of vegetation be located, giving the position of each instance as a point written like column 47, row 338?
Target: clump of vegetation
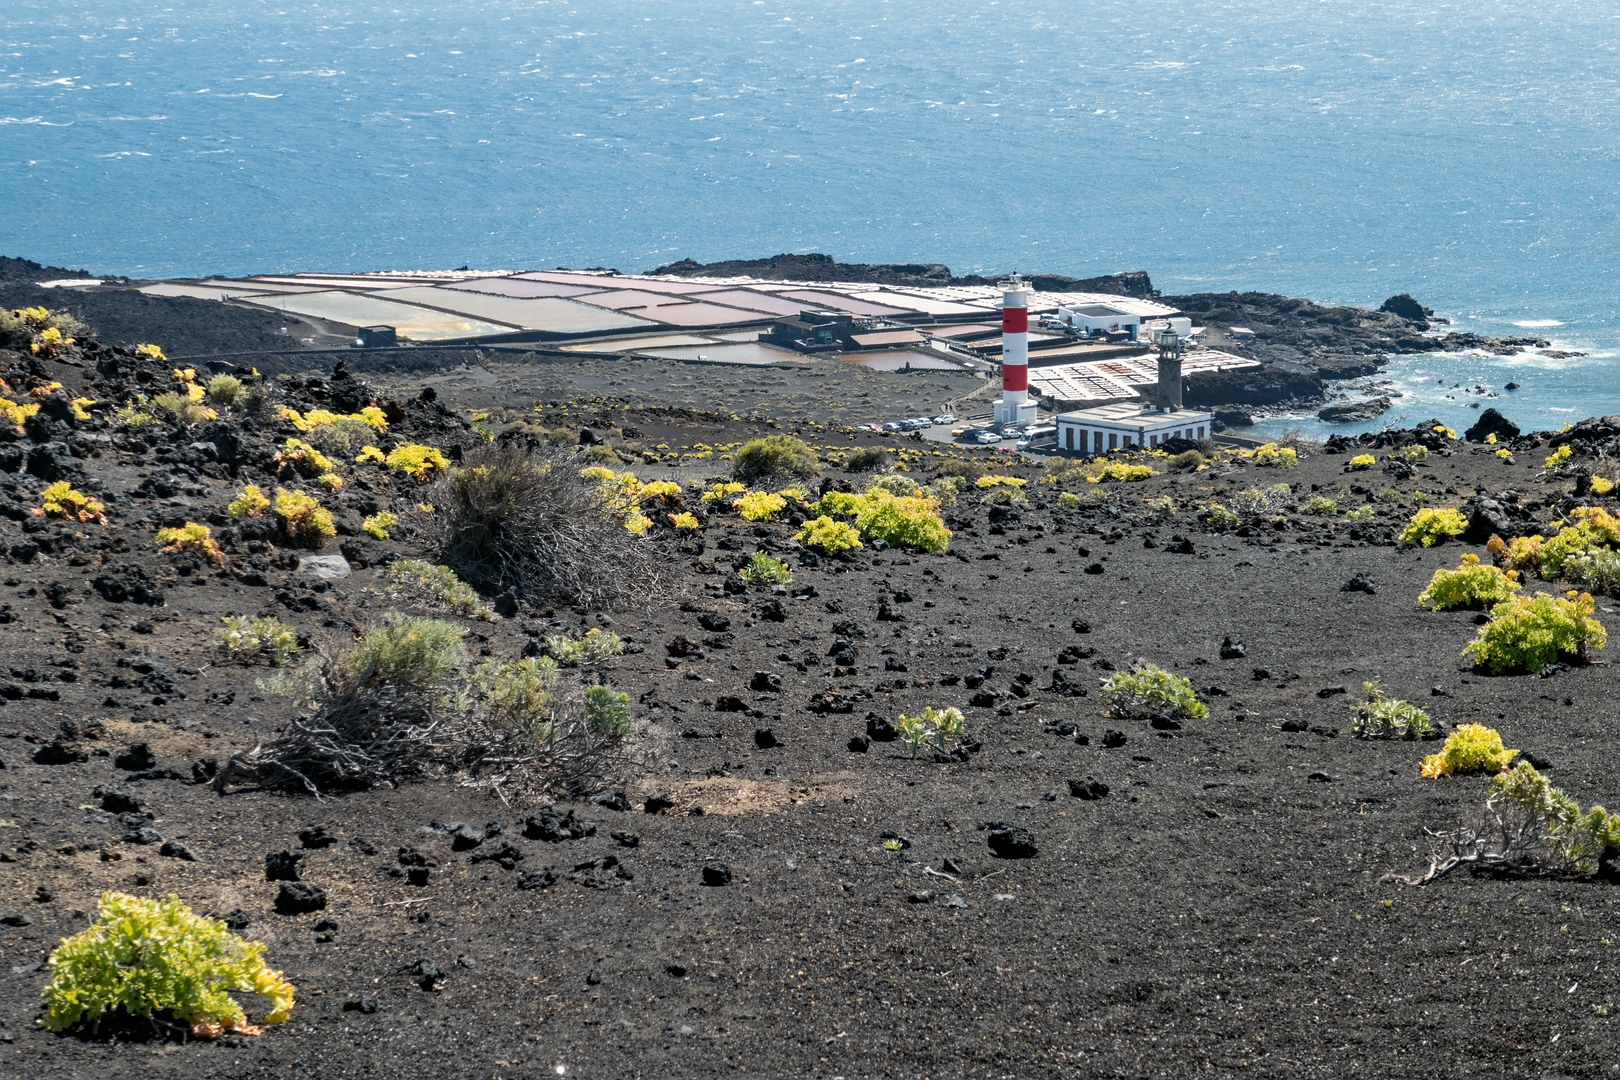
column 1528, row 633
column 764, row 570
column 437, row 585
column 685, row 521
column 760, row 506
column 224, row 390
column 1380, row 716
column 1600, row 485
column 1593, row 529
column 302, row 518
column 1148, row 692
column 62, row 500
column 1523, row 552
column 1322, row 506
column 829, row 537
column 537, row 528
column 1596, row 569
column 17, row 414
column 420, row 463
column 245, row 638
column 593, row 647
column 191, row 537
column 302, row 459
column 1068, row 500
column 518, row 695
column 607, row 712
column 1559, row 456
column 371, row 416
column 1187, row 461
column 1112, row 472
column 1415, row 452
column 183, row 406
column 1220, row 518
column 377, row 525
column 1472, row 585
column 1363, row 461
column 867, row 459
column 774, row 458
column 720, row 493
column 250, row 502
column 149, row 957
column 944, row 729
column 1471, row 748
column 1163, row 508
column 1530, row 827
column 1000, row 481
column 1276, row 457
column 1430, row 526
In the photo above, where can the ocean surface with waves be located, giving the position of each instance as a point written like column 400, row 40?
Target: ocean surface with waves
column 1345, row 151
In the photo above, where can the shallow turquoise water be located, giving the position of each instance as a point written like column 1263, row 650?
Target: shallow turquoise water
column 1465, row 153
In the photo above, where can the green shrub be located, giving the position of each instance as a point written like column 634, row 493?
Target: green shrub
column 559, row 437
column 607, row 712
column 420, row 463
column 224, row 389
column 906, row 521
column 1471, row 748
column 1471, row 585
column 1322, row 506
column 244, row 638
column 1112, row 472
column 191, row 537
column 942, row 728
column 250, row 502
column 1220, row 518
column 1276, row 457
column 1596, row 569
column 145, row 957
column 760, row 506
column 1430, row 526
column 302, row 518
column 1528, row 633
column 867, row 459
column 1384, row 717
column 593, row 647
column 764, row 570
column 1069, row 500
column 600, row 454
column 970, row 470
column 413, row 654
column 1163, row 508
column 377, row 525
column 1360, row 513
column 775, row 457
column 439, row 585
column 895, row 484
column 829, row 537
column 344, row 437
column 1415, row 452
column 1363, row 461
column 1579, row 841
column 518, row 695
column 1186, row 461
column 1149, row 692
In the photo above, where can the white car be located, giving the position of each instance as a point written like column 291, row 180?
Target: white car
column 985, row 438
column 944, row 418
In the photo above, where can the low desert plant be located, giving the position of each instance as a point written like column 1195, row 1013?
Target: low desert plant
column 409, row 653
column 760, row 506
column 1276, row 457
column 181, row 407
column 1322, row 506
column 908, row 521
column 1163, row 508
column 1220, row 518
column 1068, row 500
column 1000, row 481
column 518, row 695
column 191, row 537
column 764, row 570
column 592, row 647
column 1380, row 716
column 1472, row 585
column 1529, row 827
column 1186, row 461
column 17, row 414
column 1363, row 461
column 1596, row 569
column 436, row 585
column 377, row 525
column 244, row 638
column 224, row 389
column 829, row 537
column 607, row 712
column 685, row 521
column 944, row 729
column 1471, row 748
column 343, row 438
column 533, row 526
column 420, row 463
column 721, row 493
column 1149, row 692
column 249, row 502
column 300, row 458
column 1521, row 553
column 867, row 459
column 372, row 416
column 1526, row 633
column 302, row 518
column 894, row 484
column 1117, row 472
column 147, row 957
column 62, row 500
column 1430, row 526
column 1558, row 456
column 774, row 458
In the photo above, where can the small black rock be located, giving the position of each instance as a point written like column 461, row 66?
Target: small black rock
column 299, row 898
column 766, row 682
column 367, row 1005
column 1089, row 789
column 428, row 975
column 1113, row 739
column 173, row 849
column 716, row 873
column 765, row 738
column 1359, row 583
column 1011, row 842
column 657, row 804
column 317, row 836
column 138, row 756
column 880, row 729
column 614, row 801
column 1232, row 650
column 859, row 744
column 119, row 801
column 283, row 865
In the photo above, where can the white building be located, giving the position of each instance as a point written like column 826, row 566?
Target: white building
column 1127, row 424
column 1092, row 320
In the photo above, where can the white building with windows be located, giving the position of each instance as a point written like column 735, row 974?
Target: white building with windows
column 1124, row 424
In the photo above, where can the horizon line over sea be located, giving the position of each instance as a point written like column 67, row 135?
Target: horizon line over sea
column 1341, row 151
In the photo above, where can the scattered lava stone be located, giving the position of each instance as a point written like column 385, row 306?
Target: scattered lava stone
column 428, row 975
column 298, row 898
column 175, row 850
column 859, row 744
column 1011, row 842
column 1359, row 583
column 138, row 756
column 367, row 1005
column 119, row 801
column 283, row 865
column 716, row 873
column 1233, row 650
column 766, row 682
column 1095, row 568
column 1113, row 739
column 765, row 738
column 880, row 729
column 657, row 804
column 547, row 825
column 627, row 839
column 1089, row 789
column 317, row 836
column 615, row 801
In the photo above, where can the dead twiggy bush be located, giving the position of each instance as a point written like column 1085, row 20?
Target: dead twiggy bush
column 529, row 524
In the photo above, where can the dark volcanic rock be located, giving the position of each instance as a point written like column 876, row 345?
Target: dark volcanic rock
column 126, row 583
column 138, row 757
column 1089, row 789
column 1406, row 307
column 299, row 898
column 1354, row 412
column 716, row 873
column 1359, row 583
column 283, row 865
column 1008, row 841
column 1490, row 423
column 553, row 828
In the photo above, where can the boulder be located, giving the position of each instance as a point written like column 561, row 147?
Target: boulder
column 1403, row 305
column 1486, row 517
column 324, row 567
column 1354, row 412
column 1490, row 423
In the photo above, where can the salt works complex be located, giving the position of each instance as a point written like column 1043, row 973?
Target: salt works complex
column 1092, row 359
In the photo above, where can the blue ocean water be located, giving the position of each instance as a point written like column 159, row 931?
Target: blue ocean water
column 1338, row 149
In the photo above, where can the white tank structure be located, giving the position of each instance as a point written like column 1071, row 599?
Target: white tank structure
column 1015, row 406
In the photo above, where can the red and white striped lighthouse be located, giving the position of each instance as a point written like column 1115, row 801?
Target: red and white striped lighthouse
column 1015, row 405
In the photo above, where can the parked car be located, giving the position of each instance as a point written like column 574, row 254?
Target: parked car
column 923, row 422
column 944, row 418
column 891, row 426
column 985, row 438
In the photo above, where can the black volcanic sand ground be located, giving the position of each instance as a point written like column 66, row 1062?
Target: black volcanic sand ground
column 1222, row 909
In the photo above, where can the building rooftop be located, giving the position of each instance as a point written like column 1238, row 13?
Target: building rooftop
column 1131, row 412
